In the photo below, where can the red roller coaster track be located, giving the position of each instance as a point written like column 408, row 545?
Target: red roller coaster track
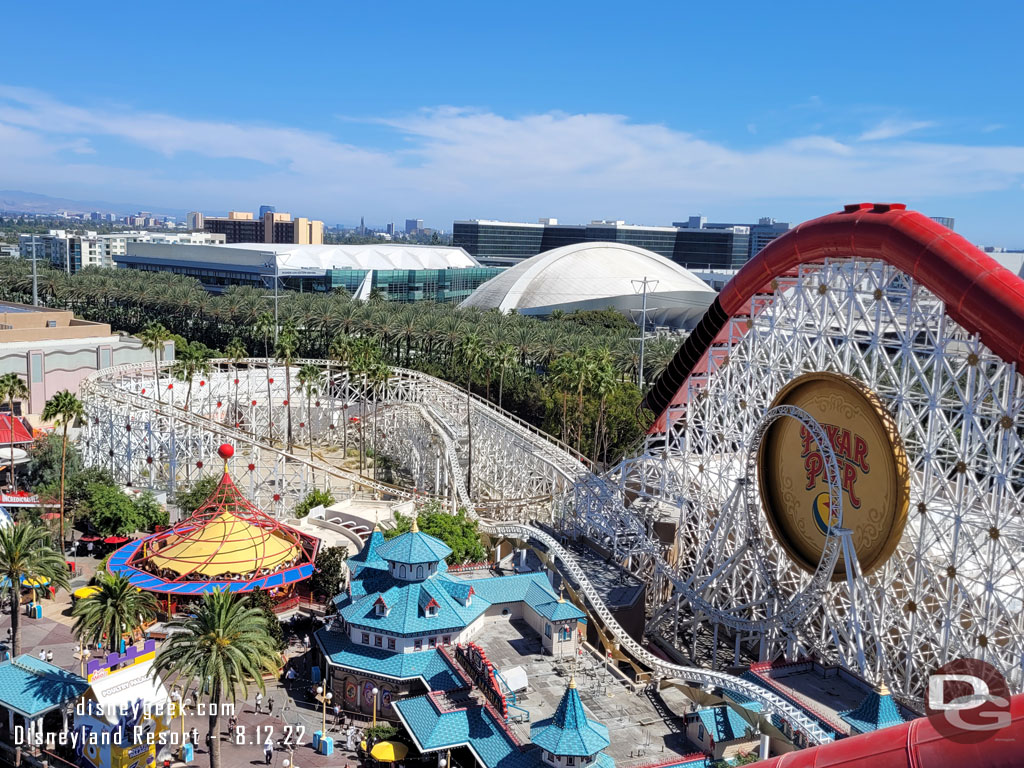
column 979, row 293
column 917, row 744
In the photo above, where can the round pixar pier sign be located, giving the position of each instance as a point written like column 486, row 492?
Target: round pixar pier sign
column 872, row 470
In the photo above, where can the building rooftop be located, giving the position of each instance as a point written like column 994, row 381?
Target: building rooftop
column 32, row 687
column 413, row 548
column 294, row 259
column 723, row 723
column 430, row 666
column 570, row 731
column 26, row 323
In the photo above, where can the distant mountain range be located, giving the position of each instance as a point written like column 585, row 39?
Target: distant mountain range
column 17, row 201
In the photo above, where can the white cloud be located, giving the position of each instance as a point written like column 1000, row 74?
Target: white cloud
column 892, row 128
column 452, row 162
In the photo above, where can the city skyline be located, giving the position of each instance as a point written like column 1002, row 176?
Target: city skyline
column 576, row 113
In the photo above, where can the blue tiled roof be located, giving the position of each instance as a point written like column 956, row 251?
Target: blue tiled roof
column 570, row 731
column 407, row 600
column 368, row 557
column 31, row 686
column 723, row 723
column 878, row 710
column 406, row 603
column 430, row 665
column 414, row 547
column 473, row 727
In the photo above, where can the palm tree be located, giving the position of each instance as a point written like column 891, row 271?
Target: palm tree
column 224, row 647
column 285, row 351
column 153, row 337
column 12, row 388
column 505, row 355
column 27, row 554
column 113, row 611
column 471, row 353
column 379, row 373
column 235, row 351
column 62, row 409
column 266, row 327
column 192, row 360
column 311, row 380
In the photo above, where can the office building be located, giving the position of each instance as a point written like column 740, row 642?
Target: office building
column 762, row 233
column 74, row 251
column 403, row 273
column 412, row 226
column 503, row 243
column 53, row 350
column 271, row 227
column 194, row 220
column 946, row 221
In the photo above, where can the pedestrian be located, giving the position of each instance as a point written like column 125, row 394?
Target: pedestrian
column 270, row 706
column 259, row 702
column 268, row 751
column 337, row 714
column 307, row 642
column 194, row 735
column 290, row 675
column 49, row 656
column 42, row 655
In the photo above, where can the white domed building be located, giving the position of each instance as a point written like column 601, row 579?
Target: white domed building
column 598, row 276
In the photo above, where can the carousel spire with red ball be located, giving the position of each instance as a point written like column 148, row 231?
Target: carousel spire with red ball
column 226, row 451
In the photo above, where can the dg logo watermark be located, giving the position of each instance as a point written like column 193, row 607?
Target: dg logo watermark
column 968, row 701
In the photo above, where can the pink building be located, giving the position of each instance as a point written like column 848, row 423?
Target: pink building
column 53, row 350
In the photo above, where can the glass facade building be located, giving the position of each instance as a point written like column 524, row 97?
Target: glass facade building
column 500, row 243
column 406, row 285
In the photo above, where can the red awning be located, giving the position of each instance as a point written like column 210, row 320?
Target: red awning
column 115, row 540
column 13, row 430
column 90, row 538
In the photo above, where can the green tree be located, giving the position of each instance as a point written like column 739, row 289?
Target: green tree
column 27, row 553
column 116, row 609
column 12, row 388
column 286, row 350
column 235, row 351
column 311, row 381
column 111, row 511
column 46, row 457
column 188, row 501
column 224, row 648
column 458, row 531
column 192, row 360
column 471, row 354
column 153, row 337
column 314, row 498
column 63, row 409
column 329, row 572
column 263, row 601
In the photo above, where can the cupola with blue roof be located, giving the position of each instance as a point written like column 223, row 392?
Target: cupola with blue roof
column 571, row 734
column 878, row 710
column 414, row 556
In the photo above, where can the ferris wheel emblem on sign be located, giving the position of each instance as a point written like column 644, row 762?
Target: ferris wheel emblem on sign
column 872, row 469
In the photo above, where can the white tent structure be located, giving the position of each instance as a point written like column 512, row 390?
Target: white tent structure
column 598, row 276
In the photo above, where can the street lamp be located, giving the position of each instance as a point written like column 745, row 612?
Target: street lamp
column 375, row 692
column 325, row 699
column 176, row 698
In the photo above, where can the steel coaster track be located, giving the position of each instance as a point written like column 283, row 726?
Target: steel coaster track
column 429, row 394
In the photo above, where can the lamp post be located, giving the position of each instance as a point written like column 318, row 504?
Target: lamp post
column 176, row 698
column 375, row 692
column 325, row 698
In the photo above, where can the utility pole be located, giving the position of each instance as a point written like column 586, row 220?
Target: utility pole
column 643, row 321
column 277, row 280
column 35, row 275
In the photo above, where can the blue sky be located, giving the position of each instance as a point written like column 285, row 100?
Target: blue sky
column 647, row 112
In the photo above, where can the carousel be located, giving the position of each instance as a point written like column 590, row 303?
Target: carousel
column 228, row 544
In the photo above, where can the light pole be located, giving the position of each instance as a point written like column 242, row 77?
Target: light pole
column 375, row 692
column 325, row 699
column 277, row 279
column 177, row 699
